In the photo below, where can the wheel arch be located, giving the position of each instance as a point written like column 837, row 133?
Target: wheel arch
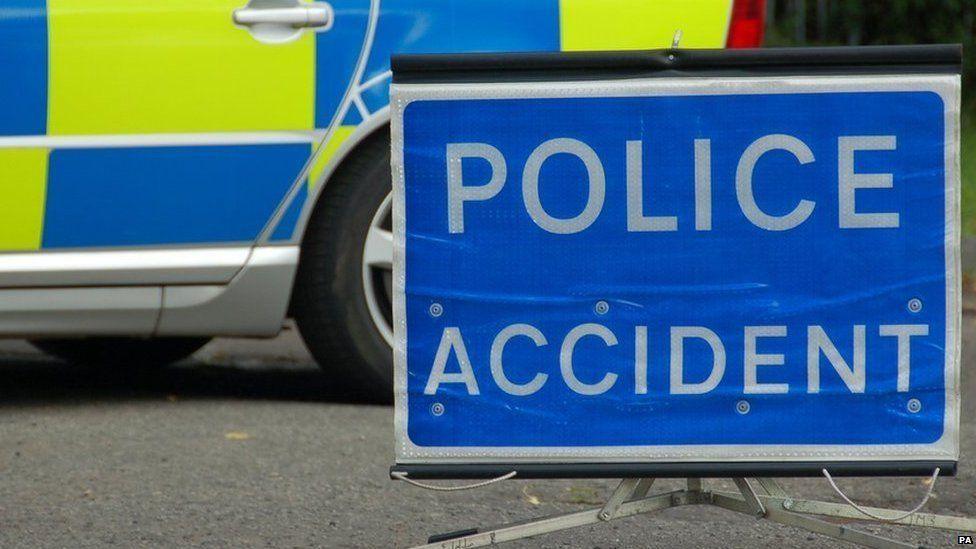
column 361, row 136
column 365, row 131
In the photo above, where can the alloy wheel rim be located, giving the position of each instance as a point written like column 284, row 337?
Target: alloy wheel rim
column 377, row 267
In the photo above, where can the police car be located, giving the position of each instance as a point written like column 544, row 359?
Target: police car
column 174, row 171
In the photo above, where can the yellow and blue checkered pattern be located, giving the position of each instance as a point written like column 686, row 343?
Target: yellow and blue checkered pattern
column 123, row 68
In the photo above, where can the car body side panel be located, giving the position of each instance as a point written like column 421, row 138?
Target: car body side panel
column 288, row 227
column 422, row 26
column 334, row 65
column 134, row 127
column 23, row 68
column 179, row 66
column 432, row 26
column 445, row 26
column 23, row 184
column 23, row 111
column 102, row 80
column 181, row 194
column 283, row 231
column 183, row 69
column 158, row 124
column 629, row 25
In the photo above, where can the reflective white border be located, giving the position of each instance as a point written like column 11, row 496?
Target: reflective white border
column 948, row 87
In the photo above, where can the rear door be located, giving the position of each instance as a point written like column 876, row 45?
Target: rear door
column 157, row 126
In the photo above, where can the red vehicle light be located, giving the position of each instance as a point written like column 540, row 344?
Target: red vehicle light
column 747, row 24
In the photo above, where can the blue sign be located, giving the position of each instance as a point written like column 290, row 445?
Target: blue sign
column 667, row 272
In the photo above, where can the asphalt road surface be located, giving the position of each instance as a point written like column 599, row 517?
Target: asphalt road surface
column 249, row 445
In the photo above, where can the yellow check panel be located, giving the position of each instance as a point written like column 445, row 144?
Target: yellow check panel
column 171, row 66
column 642, row 24
column 329, row 151
column 23, row 179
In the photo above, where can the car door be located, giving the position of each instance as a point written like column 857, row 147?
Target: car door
column 146, row 143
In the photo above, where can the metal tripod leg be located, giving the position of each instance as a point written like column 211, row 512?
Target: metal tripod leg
column 750, row 497
column 781, row 500
column 556, row 523
column 840, row 510
column 642, row 488
column 773, row 492
column 623, row 492
column 777, row 497
column 763, row 498
column 771, row 487
column 818, row 526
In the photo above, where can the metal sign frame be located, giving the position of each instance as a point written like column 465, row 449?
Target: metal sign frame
column 926, row 68
column 762, row 498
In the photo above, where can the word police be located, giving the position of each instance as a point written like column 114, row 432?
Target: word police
column 849, row 182
column 851, row 370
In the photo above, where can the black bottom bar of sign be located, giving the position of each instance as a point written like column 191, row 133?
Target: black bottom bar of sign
column 447, row 471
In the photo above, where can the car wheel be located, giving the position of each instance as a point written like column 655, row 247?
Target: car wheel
column 342, row 301
column 122, row 352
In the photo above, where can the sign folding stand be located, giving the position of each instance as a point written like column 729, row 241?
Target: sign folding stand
column 763, row 498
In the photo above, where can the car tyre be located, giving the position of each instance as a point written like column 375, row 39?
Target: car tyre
column 342, row 298
column 122, row 352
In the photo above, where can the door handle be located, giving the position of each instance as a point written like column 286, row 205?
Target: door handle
column 318, row 16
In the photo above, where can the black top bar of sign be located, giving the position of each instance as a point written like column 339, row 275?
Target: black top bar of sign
column 530, row 67
column 439, row 471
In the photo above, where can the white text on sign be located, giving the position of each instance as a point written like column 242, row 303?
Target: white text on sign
column 851, row 370
column 849, row 182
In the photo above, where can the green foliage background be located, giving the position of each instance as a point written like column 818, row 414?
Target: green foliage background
column 869, row 22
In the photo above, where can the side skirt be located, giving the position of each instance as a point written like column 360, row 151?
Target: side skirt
column 252, row 304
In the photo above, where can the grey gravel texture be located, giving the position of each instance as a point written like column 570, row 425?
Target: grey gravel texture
column 250, row 445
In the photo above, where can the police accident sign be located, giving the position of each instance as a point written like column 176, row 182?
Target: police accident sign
column 677, row 269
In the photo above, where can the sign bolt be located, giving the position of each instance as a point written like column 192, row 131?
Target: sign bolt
column 436, row 310
column 742, row 407
column 914, row 304
column 437, row 409
column 788, row 504
column 604, row 515
column 914, row 406
column 601, row 307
